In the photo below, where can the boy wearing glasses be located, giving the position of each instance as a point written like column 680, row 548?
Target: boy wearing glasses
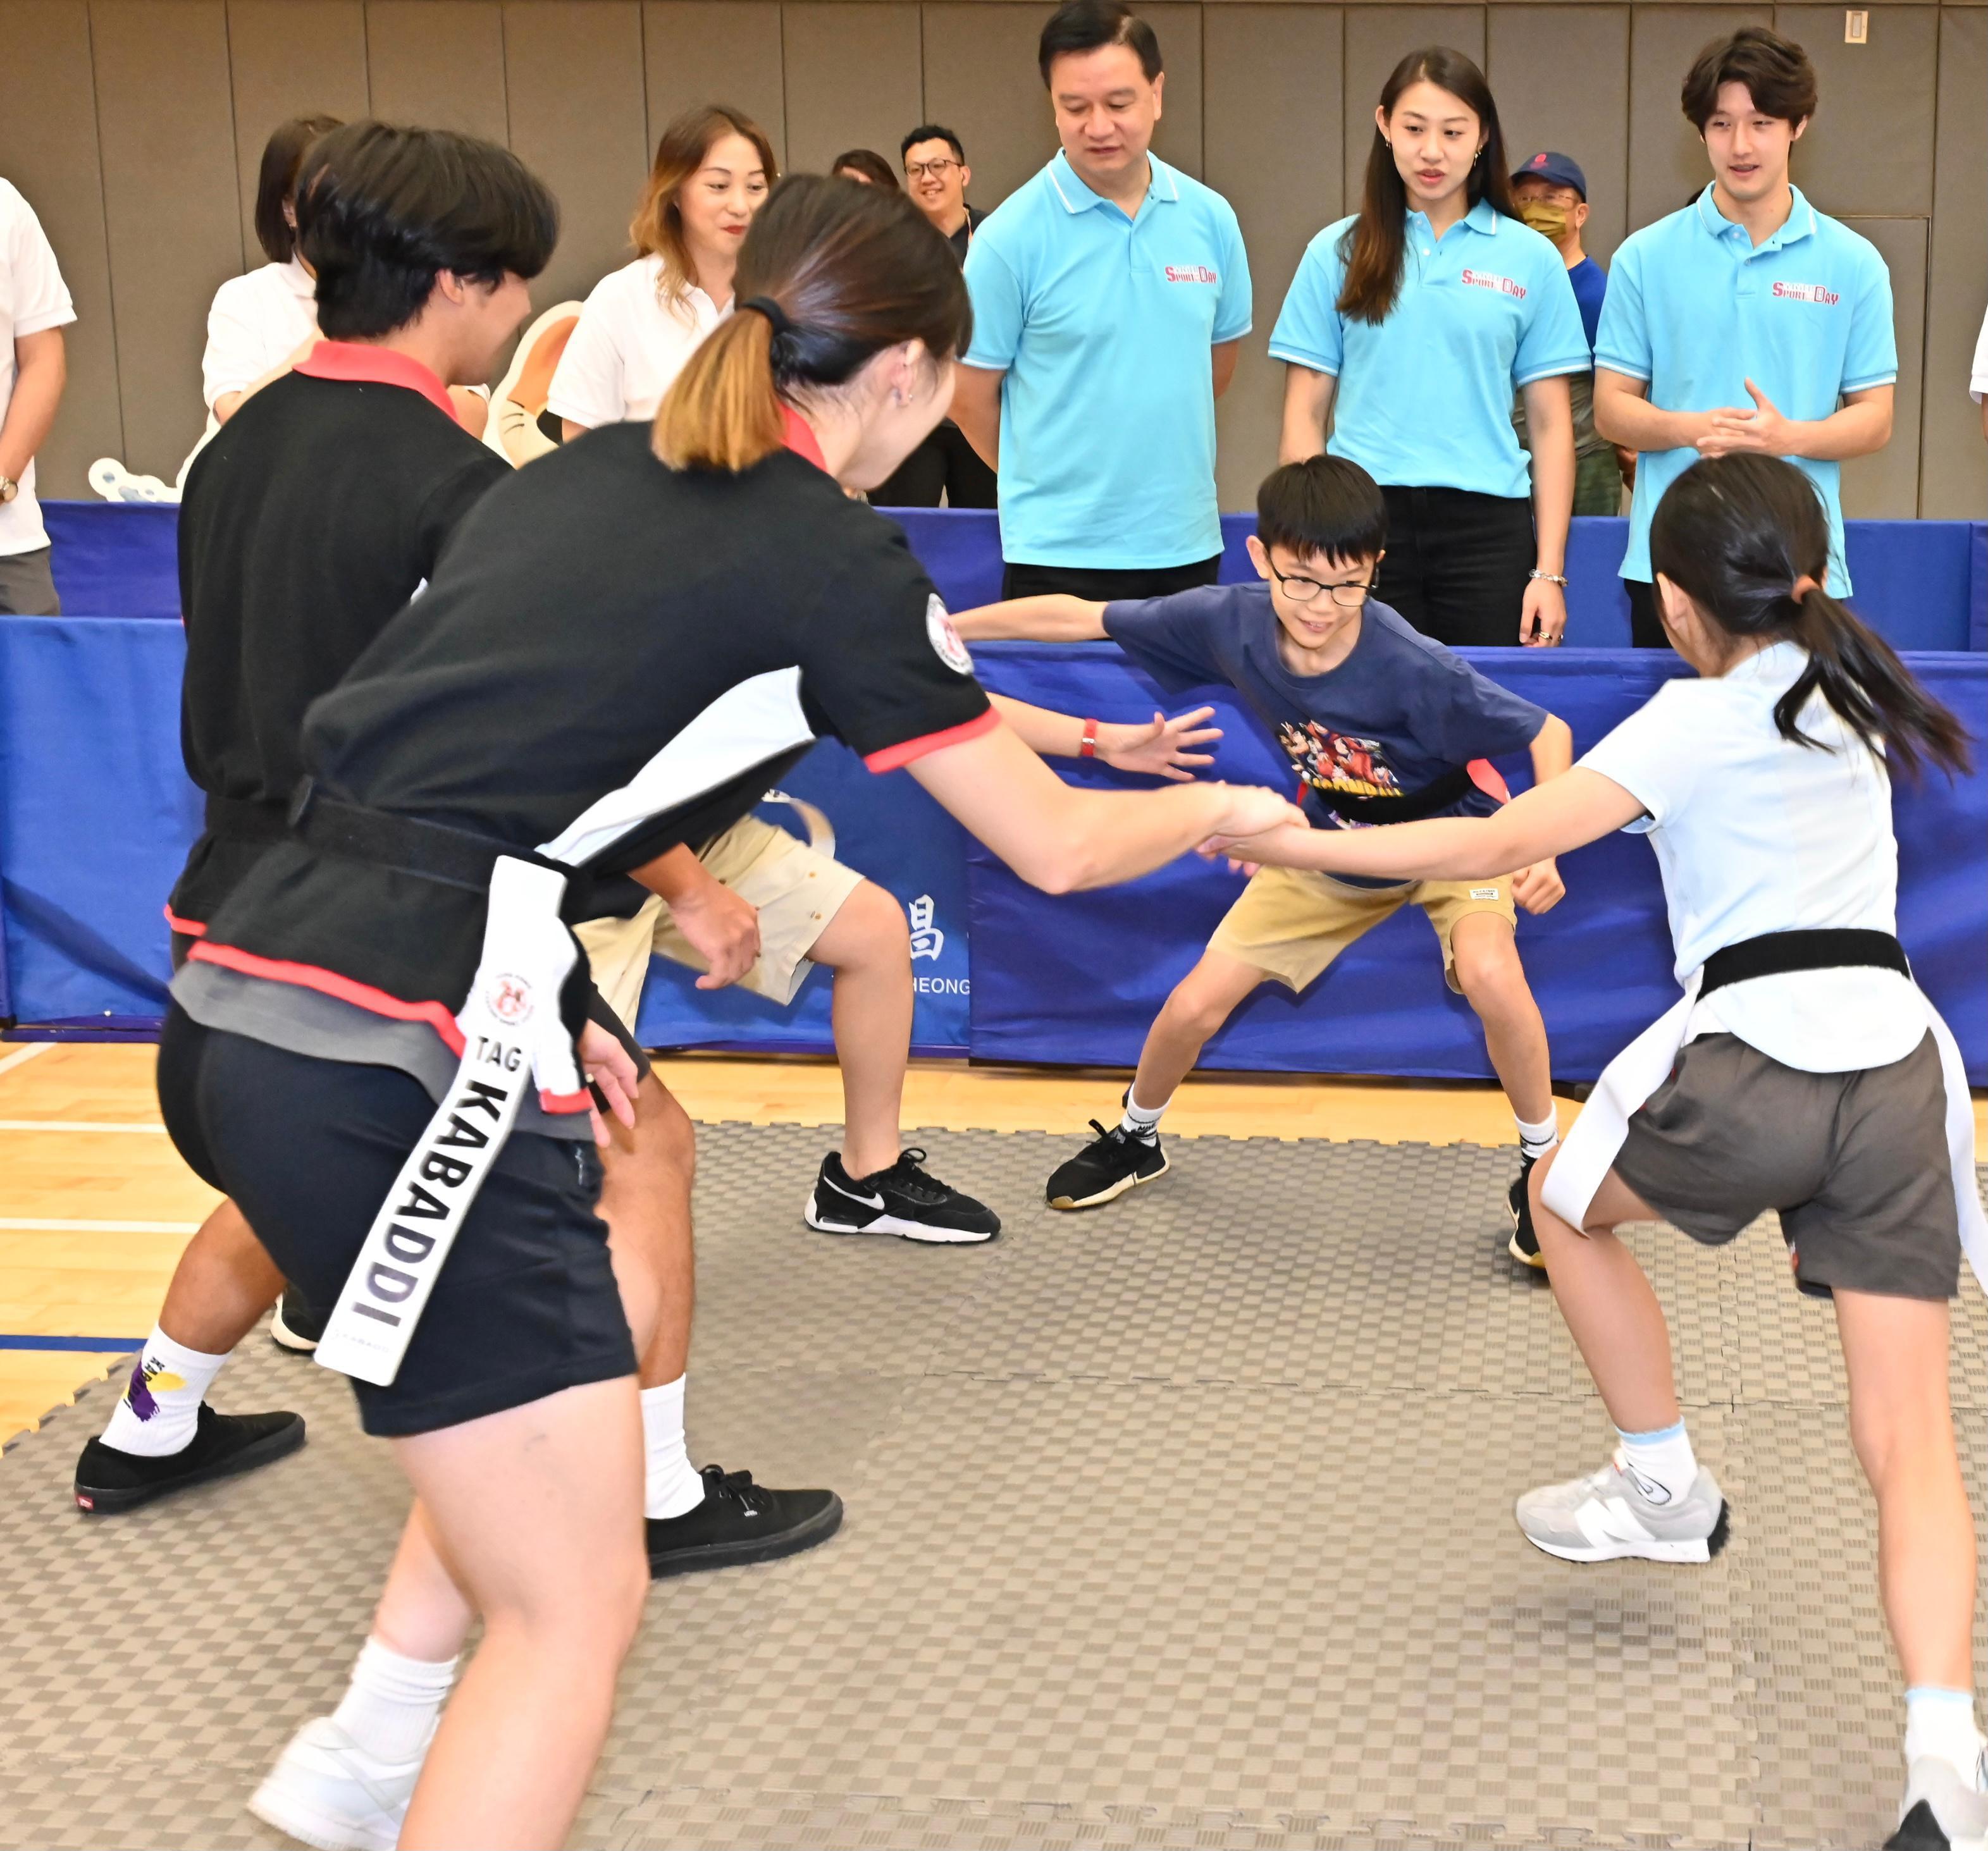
column 1382, row 725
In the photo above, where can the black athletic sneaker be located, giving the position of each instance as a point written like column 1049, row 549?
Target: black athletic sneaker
column 907, row 1199
column 738, row 1522
column 1940, row 1811
column 108, row 1480
column 1115, row 1161
column 1524, row 1244
column 294, row 1325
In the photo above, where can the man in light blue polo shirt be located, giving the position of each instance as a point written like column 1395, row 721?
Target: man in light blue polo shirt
column 1748, row 320
column 1109, row 294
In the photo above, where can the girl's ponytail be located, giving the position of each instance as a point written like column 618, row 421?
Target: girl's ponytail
column 1746, row 538
column 722, row 410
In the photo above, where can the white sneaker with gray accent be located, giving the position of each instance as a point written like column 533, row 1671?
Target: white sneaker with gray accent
column 327, row 1791
column 1608, row 1516
column 1940, row 1811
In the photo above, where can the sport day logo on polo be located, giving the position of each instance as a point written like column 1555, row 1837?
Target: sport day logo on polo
column 1502, row 286
column 1190, row 273
column 945, row 638
column 1806, row 292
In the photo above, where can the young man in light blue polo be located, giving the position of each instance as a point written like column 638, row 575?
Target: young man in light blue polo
column 1748, row 320
column 1109, row 295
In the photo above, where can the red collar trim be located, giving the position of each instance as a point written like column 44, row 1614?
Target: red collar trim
column 360, row 363
column 801, row 439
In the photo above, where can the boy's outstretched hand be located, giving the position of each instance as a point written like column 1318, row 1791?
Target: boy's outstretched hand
column 1538, row 888
column 1161, row 748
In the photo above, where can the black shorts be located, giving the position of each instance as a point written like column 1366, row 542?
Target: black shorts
column 1856, row 1164
column 525, row 1304
column 1106, row 585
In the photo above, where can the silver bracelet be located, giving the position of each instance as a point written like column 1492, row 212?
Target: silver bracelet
column 1551, row 578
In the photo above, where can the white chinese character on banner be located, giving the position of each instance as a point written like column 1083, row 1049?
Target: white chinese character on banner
column 927, row 940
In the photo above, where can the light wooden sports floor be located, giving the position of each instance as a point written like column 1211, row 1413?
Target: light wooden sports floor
column 95, row 1203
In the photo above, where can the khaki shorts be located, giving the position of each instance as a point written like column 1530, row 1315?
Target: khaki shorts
column 797, row 890
column 1293, row 922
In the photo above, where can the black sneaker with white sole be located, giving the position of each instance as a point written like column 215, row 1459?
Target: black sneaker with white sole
column 108, row 1480
column 293, row 1325
column 739, row 1522
column 906, row 1200
column 1524, row 1244
column 1114, row 1162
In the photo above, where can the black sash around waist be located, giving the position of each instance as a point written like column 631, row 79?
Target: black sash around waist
column 241, row 820
column 1775, row 953
column 1451, row 788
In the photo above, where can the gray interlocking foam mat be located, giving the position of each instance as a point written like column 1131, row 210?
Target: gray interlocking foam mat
column 1187, row 1522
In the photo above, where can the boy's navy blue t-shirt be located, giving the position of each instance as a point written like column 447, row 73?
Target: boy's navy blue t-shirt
column 1398, row 714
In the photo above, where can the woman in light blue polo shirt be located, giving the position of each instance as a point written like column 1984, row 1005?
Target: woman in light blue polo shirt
column 1408, row 325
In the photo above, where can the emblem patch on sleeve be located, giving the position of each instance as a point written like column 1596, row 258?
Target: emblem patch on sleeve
column 945, row 638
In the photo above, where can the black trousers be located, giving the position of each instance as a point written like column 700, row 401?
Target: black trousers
column 1105, row 585
column 1646, row 627
column 1457, row 563
column 944, row 463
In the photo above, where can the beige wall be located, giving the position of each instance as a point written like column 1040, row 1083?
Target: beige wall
column 134, row 126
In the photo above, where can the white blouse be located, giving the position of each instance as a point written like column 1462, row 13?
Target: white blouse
column 628, row 346
column 257, row 322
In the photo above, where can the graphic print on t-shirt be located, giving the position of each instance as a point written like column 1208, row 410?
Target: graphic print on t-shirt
column 1327, row 761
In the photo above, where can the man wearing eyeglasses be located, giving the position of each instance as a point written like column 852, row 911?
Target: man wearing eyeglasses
column 945, row 465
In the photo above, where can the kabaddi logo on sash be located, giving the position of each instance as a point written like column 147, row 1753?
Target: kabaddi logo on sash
column 510, row 998
column 945, row 638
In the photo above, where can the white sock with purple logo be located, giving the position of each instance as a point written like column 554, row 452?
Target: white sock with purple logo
column 160, row 1408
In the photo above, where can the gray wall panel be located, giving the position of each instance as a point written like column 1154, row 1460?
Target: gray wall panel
column 289, row 57
column 1561, row 77
column 854, row 76
column 1953, row 481
column 1886, row 486
column 716, row 51
column 574, row 74
column 1178, row 137
column 171, row 208
column 439, row 63
column 1275, row 148
column 1377, row 38
column 1667, row 162
column 48, row 149
column 980, row 81
column 1839, row 162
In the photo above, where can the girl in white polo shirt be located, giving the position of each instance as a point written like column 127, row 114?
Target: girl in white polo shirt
column 713, row 169
column 1803, row 1071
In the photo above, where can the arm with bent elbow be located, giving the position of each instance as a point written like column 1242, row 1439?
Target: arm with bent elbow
column 976, row 410
column 1308, row 397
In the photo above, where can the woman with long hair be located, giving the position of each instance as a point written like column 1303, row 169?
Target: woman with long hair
column 627, row 644
column 1408, row 326
column 1803, row 1071
column 713, row 169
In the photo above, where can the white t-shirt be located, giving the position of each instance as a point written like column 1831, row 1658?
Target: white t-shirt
column 33, row 297
column 1755, row 834
column 627, row 347
column 1977, row 384
column 257, row 322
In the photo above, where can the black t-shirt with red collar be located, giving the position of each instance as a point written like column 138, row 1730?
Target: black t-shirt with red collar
column 614, row 658
column 316, row 513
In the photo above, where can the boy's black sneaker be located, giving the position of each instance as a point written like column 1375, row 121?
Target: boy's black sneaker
column 738, row 1522
column 294, row 1325
column 108, row 1480
column 1524, row 1244
column 906, row 1200
column 1115, row 1161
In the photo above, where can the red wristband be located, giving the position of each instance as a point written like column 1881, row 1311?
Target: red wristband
column 1089, row 748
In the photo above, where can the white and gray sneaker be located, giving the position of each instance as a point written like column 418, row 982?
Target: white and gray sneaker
column 1940, row 1811
column 327, row 1791
column 1611, row 1514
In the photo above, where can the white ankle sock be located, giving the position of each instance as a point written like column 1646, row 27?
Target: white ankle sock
column 670, row 1484
column 1142, row 1121
column 1663, row 1459
column 1536, row 1140
column 391, row 1705
column 161, row 1407
column 1940, row 1724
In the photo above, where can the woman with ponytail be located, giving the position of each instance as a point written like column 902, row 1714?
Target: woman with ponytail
column 1408, row 327
column 1803, row 1071
column 383, row 1043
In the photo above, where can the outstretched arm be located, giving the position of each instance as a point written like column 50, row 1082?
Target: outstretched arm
column 1054, row 618
column 1162, row 746
column 1539, row 887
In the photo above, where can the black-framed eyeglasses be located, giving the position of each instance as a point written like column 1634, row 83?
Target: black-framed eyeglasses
column 1302, row 590
column 917, row 170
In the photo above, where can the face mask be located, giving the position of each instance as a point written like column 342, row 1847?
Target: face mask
column 1549, row 220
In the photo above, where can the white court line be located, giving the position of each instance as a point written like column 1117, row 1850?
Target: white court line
column 25, row 1054
column 74, row 1124
column 42, row 1224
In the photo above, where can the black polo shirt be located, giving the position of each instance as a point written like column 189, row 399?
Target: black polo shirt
column 614, row 658
column 962, row 237
column 315, row 514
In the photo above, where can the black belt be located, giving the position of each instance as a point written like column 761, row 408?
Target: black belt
column 239, row 819
column 1831, row 948
column 430, row 851
column 1411, row 806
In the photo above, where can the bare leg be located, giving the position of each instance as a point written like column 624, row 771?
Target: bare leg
column 423, row 1613
column 540, row 1510
column 1493, row 981
column 1608, row 1304
column 867, row 945
column 645, row 1199
column 1895, row 1350
column 1202, row 1001
column 223, row 1283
